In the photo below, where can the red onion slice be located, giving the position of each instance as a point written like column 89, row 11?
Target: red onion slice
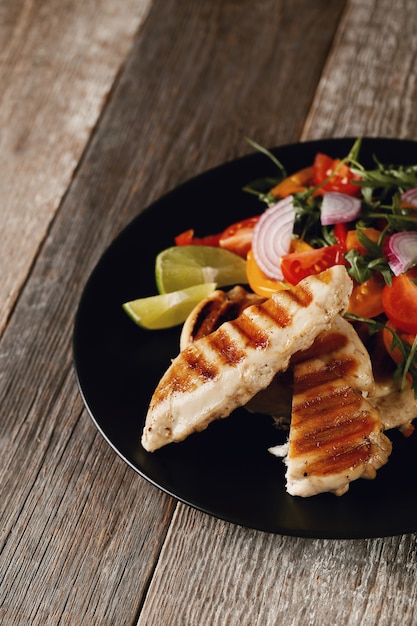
column 272, row 237
column 410, row 196
column 401, row 251
column 339, row 207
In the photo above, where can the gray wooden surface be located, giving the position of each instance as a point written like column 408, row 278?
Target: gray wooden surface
column 104, row 107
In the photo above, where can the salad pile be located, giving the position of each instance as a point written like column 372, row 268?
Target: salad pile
column 338, row 212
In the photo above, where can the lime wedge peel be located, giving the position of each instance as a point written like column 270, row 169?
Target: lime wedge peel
column 180, row 267
column 168, row 309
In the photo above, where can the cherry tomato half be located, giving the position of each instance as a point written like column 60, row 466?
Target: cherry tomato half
column 366, row 298
column 297, row 265
column 258, row 281
column 238, row 236
column 341, row 180
column 353, row 243
column 400, row 301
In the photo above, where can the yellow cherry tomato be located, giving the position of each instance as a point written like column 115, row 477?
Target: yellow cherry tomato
column 258, row 281
column 293, row 184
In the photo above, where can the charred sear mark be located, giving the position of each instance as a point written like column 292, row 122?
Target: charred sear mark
column 275, row 312
column 227, row 349
column 334, row 369
column 251, row 334
column 302, row 296
column 340, row 460
column 199, row 366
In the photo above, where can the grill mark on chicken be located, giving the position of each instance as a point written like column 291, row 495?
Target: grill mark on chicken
column 337, row 368
column 187, row 379
column 318, row 400
column 251, row 334
column 227, row 349
column 277, row 312
column 300, row 295
column 199, row 367
column 351, row 457
column 338, row 415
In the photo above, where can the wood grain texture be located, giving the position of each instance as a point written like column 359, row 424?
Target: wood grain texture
column 81, row 532
column 229, row 575
column 58, row 62
column 369, row 84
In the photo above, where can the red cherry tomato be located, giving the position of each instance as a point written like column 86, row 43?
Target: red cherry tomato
column 187, row 239
column 238, row 236
column 400, row 301
column 297, row 265
column 341, row 180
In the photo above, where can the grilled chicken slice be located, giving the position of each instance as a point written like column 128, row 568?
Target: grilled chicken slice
column 336, row 434
column 223, row 370
column 221, row 306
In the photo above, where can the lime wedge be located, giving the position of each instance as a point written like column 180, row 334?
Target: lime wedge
column 180, row 267
column 168, row 309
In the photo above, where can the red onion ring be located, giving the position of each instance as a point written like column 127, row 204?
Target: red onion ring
column 339, row 207
column 410, row 196
column 401, row 251
column 272, row 237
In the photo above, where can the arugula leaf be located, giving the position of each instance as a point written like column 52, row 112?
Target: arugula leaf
column 269, row 154
column 386, row 178
column 362, row 266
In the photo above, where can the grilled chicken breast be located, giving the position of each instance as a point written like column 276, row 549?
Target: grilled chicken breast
column 223, row 370
column 336, row 434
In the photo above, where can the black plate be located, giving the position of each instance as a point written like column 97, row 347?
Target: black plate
column 225, row 471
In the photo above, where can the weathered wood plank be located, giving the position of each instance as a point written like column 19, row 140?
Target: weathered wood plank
column 228, row 575
column 80, row 532
column 57, row 66
column 369, row 84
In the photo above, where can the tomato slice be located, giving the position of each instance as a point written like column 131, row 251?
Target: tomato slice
column 342, row 178
column 353, row 243
column 259, row 282
column 238, row 236
column 400, row 301
column 293, row 184
column 366, row 298
column 297, row 265
column 187, row 239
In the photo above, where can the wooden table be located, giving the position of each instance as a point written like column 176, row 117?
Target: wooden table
column 104, row 107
